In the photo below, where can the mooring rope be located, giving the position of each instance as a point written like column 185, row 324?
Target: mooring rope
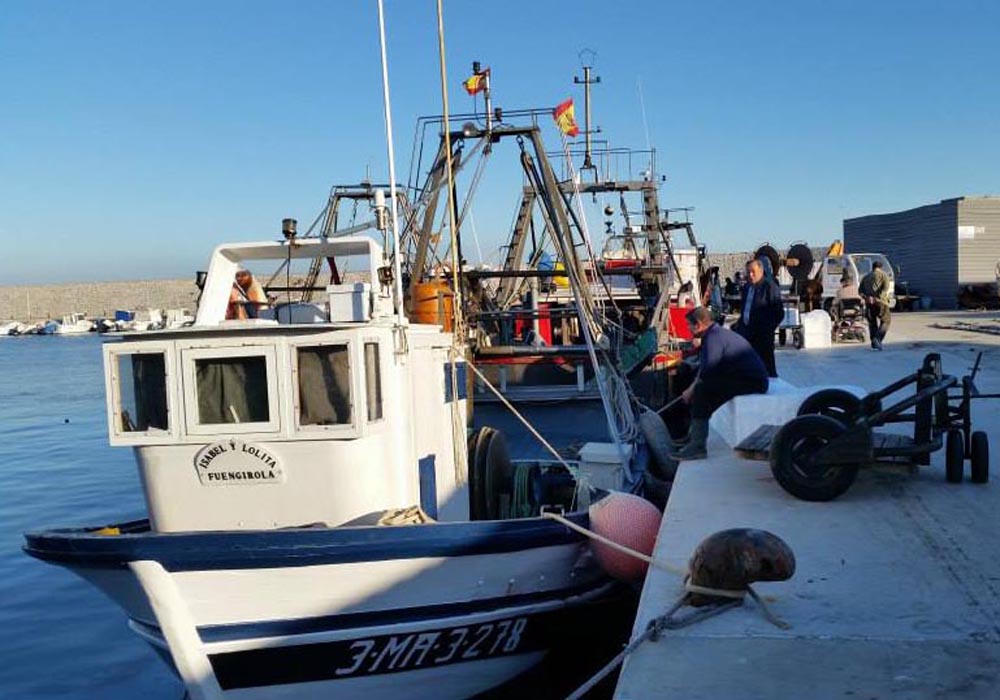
column 667, row 620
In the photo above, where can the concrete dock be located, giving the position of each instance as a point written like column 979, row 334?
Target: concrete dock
column 897, row 588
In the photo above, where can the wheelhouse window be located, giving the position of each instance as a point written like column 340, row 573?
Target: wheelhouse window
column 142, row 392
column 373, row 381
column 324, row 378
column 232, row 390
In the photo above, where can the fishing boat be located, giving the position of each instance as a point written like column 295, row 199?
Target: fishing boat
column 73, row 324
column 312, row 531
column 322, row 521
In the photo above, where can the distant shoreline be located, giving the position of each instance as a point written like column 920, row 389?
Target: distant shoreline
column 40, row 302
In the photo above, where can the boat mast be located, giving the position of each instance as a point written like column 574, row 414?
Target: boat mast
column 397, row 275
column 587, row 81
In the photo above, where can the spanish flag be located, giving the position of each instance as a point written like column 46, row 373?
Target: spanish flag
column 477, row 83
column 565, row 118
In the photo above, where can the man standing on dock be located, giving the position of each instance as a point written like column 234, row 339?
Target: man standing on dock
column 874, row 288
column 762, row 313
column 727, row 366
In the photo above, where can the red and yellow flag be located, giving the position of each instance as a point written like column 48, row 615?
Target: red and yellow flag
column 565, row 117
column 477, row 83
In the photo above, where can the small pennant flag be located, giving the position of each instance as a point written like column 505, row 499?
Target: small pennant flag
column 565, row 118
column 477, row 83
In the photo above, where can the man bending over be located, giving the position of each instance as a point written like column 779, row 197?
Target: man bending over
column 727, row 366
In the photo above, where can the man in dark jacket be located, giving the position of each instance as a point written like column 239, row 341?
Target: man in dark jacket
column 761, row 315
column 727, row 367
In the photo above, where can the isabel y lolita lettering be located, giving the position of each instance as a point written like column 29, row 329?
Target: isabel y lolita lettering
column 234, row 462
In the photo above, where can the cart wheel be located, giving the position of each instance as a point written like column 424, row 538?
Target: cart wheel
column 980, row 458
column 797, row 339
column 782, row 337
column 792, row 459
column 954, row 456
column 834, row 403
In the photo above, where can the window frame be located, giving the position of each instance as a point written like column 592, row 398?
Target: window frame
column 189, row 356
column 113, row 352
column 356, row 398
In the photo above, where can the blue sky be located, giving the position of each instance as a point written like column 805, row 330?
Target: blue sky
column 134, row 136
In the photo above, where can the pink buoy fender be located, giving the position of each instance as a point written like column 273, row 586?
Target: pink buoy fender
column 627, row 520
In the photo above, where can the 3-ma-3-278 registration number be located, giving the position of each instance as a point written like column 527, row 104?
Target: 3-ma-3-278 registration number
column 391, row 653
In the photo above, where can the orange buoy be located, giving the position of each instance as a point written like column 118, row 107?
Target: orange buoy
column 433, row 302
column 627, row 520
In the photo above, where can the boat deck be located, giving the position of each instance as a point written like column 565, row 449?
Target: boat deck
column 897, row 588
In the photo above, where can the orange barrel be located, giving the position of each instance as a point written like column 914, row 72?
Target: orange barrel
column 433, row 302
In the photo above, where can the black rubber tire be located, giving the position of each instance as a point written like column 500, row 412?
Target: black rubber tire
column 477, row 445
column 791, row 464
column 954, row 456
column 801, row 272
column 834, row 403
column 782, row 337
column 979, row 459
column 798, row 339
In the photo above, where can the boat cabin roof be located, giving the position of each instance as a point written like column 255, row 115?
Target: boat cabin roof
column 228, row 258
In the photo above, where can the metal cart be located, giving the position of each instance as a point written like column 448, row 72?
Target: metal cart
column 816, row 456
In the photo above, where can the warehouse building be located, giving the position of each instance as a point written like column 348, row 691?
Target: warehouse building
column 937, row 249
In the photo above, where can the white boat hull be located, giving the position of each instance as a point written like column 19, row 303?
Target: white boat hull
column 444, row 626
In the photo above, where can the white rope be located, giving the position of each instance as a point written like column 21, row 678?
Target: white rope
column 658, row 563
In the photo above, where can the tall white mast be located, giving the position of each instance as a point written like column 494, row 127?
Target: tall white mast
column 387, row 109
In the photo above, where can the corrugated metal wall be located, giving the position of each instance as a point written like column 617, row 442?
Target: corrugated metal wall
column 978, row 239
column 922, row 242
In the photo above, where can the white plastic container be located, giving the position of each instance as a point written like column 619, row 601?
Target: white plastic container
column 350, row 303
column 601, row 464
column 817, row 330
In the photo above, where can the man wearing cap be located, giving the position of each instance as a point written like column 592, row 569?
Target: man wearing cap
column 874, row 288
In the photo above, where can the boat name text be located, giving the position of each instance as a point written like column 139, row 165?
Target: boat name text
column 237, row 462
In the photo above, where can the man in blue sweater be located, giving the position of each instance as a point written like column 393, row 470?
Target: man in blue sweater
column 727, row 366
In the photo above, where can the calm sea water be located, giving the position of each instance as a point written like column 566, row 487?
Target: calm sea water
column 59, row 637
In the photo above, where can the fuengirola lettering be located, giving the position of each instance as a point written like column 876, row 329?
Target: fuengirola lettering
column 236, row 476
column 237, row 462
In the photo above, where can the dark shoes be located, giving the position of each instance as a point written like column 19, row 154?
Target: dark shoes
column 695, row 447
